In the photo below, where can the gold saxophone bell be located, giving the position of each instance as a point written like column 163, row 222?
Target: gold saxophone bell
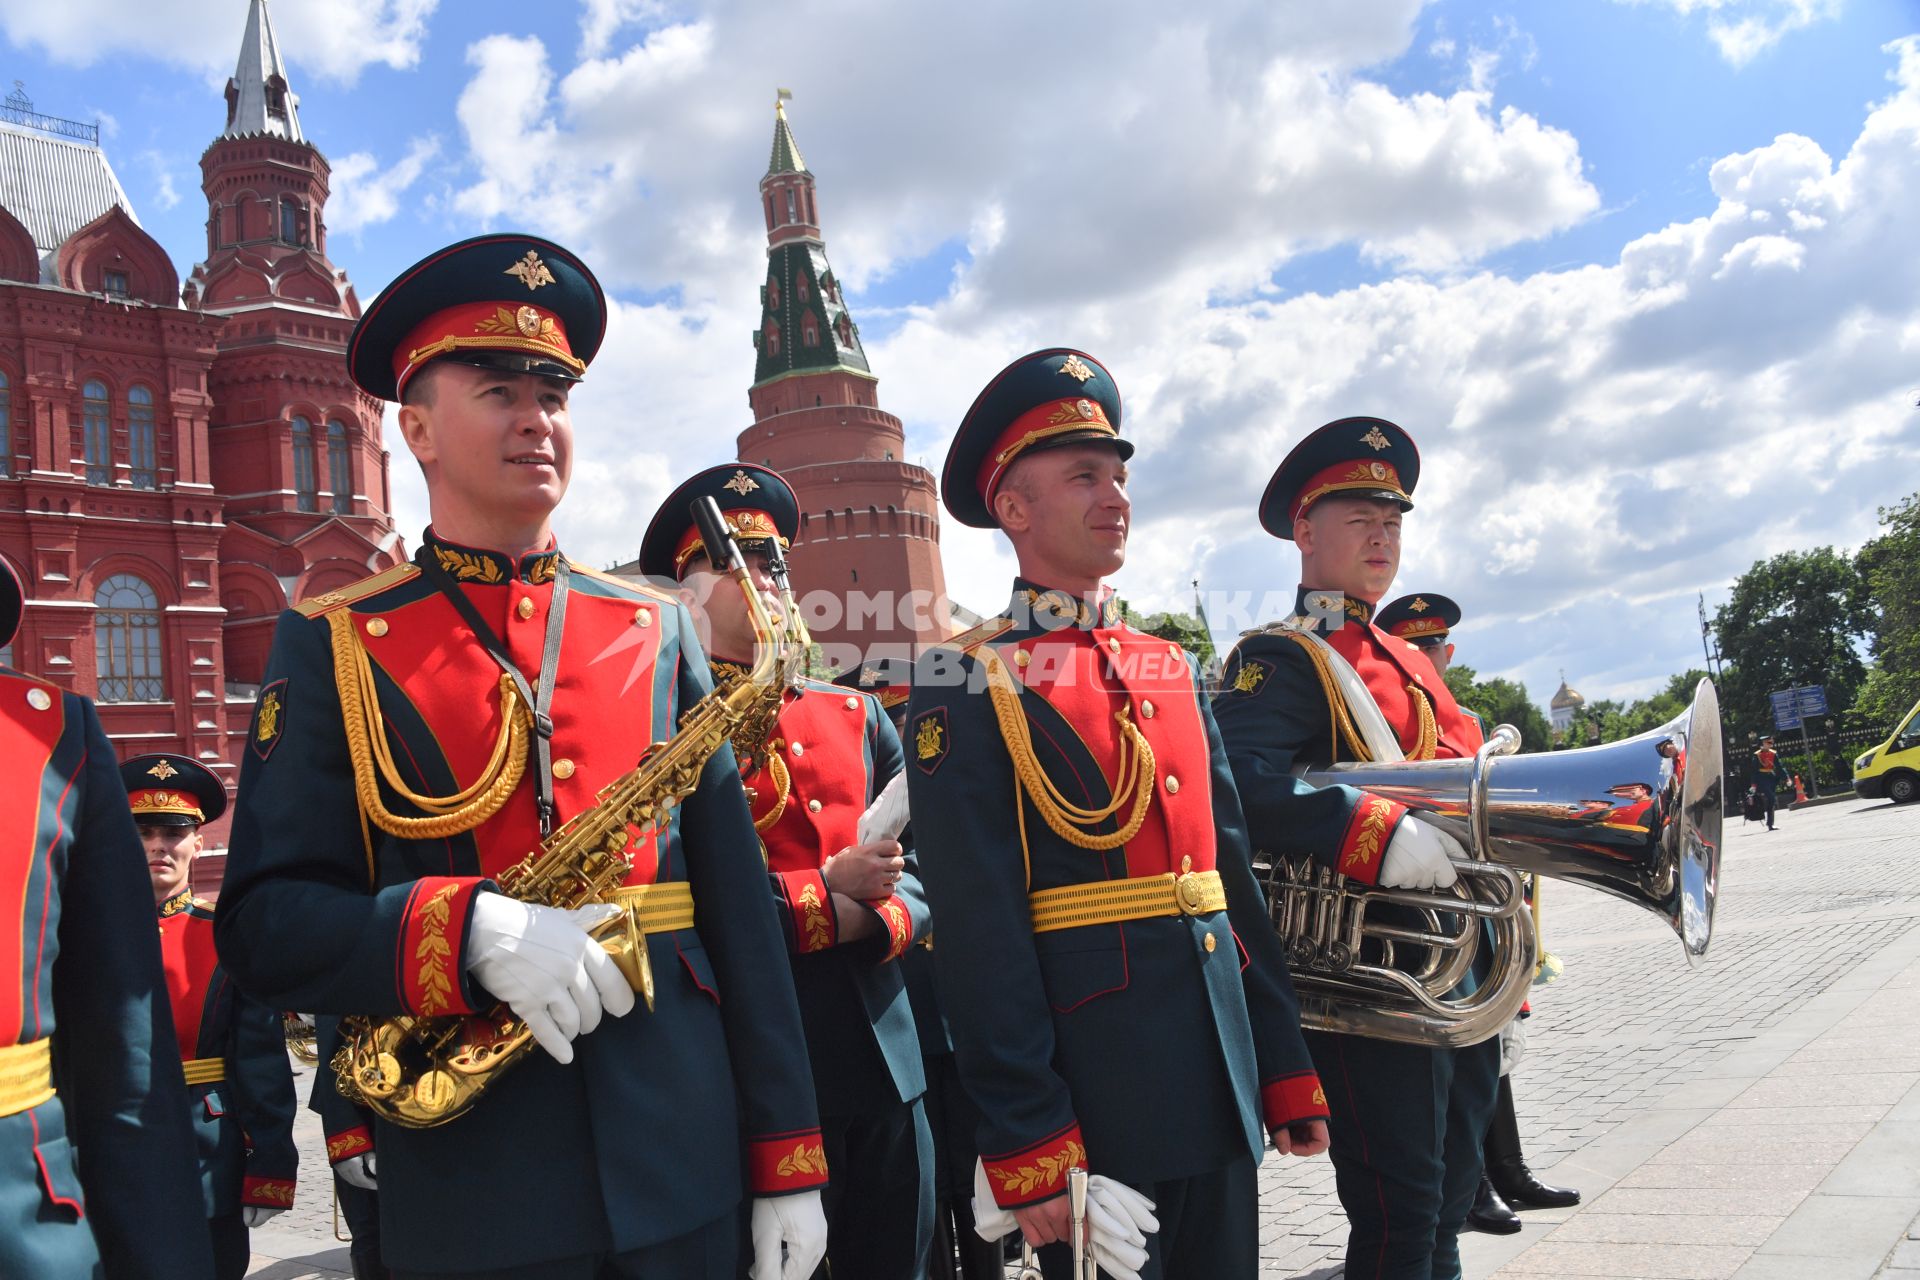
column 1637, row 819
column 301, row 1038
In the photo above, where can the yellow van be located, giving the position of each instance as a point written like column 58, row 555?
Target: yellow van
column 1892, row 769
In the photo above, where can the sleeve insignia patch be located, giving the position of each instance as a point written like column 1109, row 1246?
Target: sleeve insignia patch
column 1252, row 675
column 269, row 719
column 930, row 739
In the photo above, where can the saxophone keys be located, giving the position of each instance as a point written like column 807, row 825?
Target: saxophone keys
column 434, row 1092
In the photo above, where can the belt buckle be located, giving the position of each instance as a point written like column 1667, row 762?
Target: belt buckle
column 1189, row 894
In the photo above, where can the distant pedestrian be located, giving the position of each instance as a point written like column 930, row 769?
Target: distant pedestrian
column 1766, row 774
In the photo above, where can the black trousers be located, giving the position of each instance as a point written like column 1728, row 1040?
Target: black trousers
column 1407, row 1128
column 879, row 1200
column 1767, row 784
column 705, row 1253
column 361, row 1210
column 1209, row 1228
column 230, row 1251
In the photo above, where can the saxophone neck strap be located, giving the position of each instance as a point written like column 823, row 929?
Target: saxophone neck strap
column 538, row 698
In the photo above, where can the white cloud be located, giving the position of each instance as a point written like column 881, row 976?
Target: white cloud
column 1743, row 29
column 165, row 194
column 364, row 195
column 331, row 38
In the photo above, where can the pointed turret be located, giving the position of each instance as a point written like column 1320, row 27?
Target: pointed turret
column 258, row 99
column 869, row 531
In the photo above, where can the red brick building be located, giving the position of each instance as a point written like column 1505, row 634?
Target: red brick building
column 867, row 559
column 178, row 467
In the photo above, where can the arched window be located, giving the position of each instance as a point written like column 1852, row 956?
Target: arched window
column 339, row 474
column 771, row 338
column 305, row 484
column 140, row 449
column 6, row 425
column 792, row 216
column 845, row 325
column 809, row 331
column 213, row 227
column 95, row 417
column 289, row 222
column 800, row 290
column 126, row 641
column 773, row 293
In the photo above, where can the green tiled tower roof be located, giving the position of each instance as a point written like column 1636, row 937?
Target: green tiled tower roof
column 786, row 152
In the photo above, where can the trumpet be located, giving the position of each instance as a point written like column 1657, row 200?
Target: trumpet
column 1637, row 819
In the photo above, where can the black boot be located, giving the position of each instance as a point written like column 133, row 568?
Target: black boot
column 1490, row 1213
column 1507, row 1167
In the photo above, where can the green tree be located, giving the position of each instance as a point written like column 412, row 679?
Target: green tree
column 1616, row 720
column 1182, row 628
column 1497, row 702
column 1797, row 619
column 1889, row 570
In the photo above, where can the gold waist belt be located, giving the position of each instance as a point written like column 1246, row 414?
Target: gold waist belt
column 26, row 1076
column 205, row 1070
column 658, row 908
column 1193, row 893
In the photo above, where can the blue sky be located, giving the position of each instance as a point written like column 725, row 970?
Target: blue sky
column 1559, row 242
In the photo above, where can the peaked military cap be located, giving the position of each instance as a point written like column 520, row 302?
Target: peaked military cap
column 1349, row 458
column 758, row 503
column 167, row 790
column 13, row 599
column 509, row 302
column 1040, row 401
column 1419, row 619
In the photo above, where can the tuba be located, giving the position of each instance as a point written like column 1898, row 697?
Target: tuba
column 1638, row 819
column 418, row 1072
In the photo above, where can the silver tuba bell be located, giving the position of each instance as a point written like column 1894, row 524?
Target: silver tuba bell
column 1638, row 819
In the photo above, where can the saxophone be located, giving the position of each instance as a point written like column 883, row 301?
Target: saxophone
column 419, row 1072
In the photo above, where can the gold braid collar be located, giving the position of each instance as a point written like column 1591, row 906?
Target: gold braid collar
column 367, row 747
column 1069, row 821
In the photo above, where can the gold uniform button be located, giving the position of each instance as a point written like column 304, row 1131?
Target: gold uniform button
column 641, row 618
column 563, row 769
column 1186, row 865
column 525, row 607
column 1146, row 709
column 798, row 751
column 1113, row 644
column 813, row 806
column 1022, row 658
column 1173, row 785
column 853, row 704
column 1210, row 944
column 39, row 699
column 378, row 627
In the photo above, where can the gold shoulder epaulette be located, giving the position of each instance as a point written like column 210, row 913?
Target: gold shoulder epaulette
column 327, row 601
column 631, row 584
column 969, row 640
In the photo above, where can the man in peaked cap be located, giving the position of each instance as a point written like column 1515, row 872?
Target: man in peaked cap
column 1407, row 1119
column 1116, row 997
column 851, row 907
column 239, row 1084
column 1425, row 621
column 487, row 692
column 96, row 1156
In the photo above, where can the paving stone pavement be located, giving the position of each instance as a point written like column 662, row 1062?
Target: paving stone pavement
column 1758, row 1116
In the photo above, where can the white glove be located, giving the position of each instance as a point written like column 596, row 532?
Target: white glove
column 1417, row 857
column 258, row 1215
column 1119, row 1219
column 1513, row 1045
column 540, row 961
column 795, row 1223
column 886, row 817
column 358, row 1171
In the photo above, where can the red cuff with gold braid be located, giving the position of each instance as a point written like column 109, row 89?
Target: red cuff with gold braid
column 272, row 1193
column 787, row 1163
column 1286, row 1100
column 899, row 922
column 433, row 941
column 812, row 922
column 1364, row 846
column 348, row 1143
column 1037, row 1173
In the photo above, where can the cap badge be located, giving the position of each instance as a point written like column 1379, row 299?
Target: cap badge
column 1373, row 439
column 162, row 770
column 1419, row 605
column 741, row 483
column 532, row 272
column 1075, row 367
column 527, row 320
